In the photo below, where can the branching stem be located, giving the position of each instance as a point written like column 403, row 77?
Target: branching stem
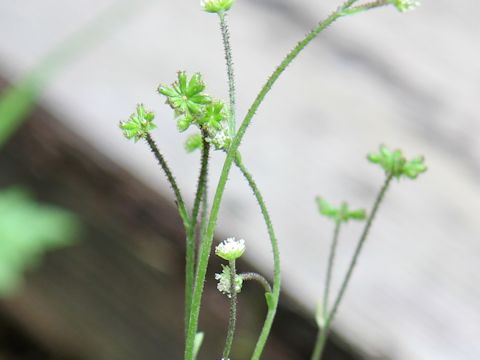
column 206, row 245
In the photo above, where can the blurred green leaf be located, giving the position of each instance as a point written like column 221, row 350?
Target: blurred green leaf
column 27, row 230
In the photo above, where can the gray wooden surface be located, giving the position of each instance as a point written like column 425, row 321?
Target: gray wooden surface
column 409, row 80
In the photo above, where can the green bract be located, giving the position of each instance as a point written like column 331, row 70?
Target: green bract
column 186, row 98
column 396, row 165
column 404, row 5
column 139, row 124
column 341, row 213
column 216, row 6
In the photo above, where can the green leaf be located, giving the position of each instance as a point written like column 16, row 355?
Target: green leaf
column 27, row 230
column 197, row 343
column 319, row 319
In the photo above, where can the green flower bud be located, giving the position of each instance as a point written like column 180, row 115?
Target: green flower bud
column 216, row 6
column 194, row 142
column 183, row 123
column 404, row 5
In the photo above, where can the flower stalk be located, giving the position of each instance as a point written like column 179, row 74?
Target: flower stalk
column 323, row 333
column 233, row 311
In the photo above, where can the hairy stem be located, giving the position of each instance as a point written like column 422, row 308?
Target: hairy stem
column 190, row 247
column 364, row 7
column 276, row 260
column 258, row 278
column 233, row 312
column 204, row 216
column 331, row 261
column 206, row 245
column 182, row 210
column 323, row 334
column 230, row 73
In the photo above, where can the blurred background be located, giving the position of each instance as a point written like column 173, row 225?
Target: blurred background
column 91, row 247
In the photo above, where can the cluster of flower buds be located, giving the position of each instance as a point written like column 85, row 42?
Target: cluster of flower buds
column 224, row 281
column 404, row 5
column 139, row 124
column 193, row 107
column 340, row 213
column 396, row 165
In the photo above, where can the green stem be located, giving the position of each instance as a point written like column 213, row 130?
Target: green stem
column 258, row 278
column 233, row 312
column 190, row 251
column 323, row 333
column 182, row 210
column 204, row 217
column 206, row 245
column 230, row 73
column 276, row 260
column 331, row 260
column 364, row 7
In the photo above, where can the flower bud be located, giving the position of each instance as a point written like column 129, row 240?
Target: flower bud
column 224, row 281
column 216, row 6
column 405, row 5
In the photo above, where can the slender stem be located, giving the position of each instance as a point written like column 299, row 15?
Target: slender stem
column 233, row 311
column 331, row 260
column 258, row 278
column 190, row 251
column 230, row 73
column 206, row 245
column 204, row 217
column 323, row 334
column 276, row 259
column 364, row 7
column 182, row 210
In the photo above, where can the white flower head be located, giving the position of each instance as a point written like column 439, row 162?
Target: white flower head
column 230, row 249
column 216, row 6
column 224, row 283
column 405, row 5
